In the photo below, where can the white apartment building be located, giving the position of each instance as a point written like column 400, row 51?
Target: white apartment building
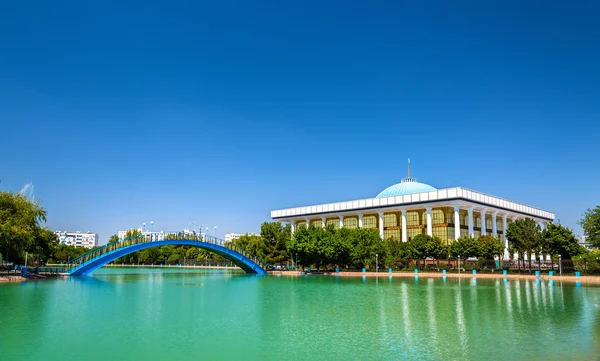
column 231, row 236
column 158, row 236
column 77, row 239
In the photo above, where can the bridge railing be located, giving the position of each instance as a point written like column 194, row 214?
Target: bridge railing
column 148, row 238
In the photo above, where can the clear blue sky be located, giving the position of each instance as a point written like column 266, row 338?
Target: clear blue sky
column 216, row 113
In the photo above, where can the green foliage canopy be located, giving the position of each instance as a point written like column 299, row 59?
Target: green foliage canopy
column 525, row 236
column 559, row 240
column 465, row 247
column 590, row 222
column 20, row 227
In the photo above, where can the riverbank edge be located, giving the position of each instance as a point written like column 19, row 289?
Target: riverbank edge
column 19, row 278
column 31, row 277
column 582, row 279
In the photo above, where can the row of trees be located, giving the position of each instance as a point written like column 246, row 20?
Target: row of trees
column 360, row 247
column 526, row 239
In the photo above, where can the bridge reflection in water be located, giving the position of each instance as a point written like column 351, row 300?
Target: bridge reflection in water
column 96, row 258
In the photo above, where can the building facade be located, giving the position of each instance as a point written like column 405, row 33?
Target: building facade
column 231, row 236
column 157, row 236
column 77, row 239
column 409, row 208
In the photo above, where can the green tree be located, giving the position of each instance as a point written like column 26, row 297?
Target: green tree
column 590, row 222
column 423, row 246
column 525, row 236
column 166, row 252
column 45, row 242
column 275, row 236
column 436, row 249
column 113, row 238
column 63, row 253
column 464, row 247
column 418, row 246
column 489, row 247
column 342, row 244
column 558, row 240
column 317, row 246
column 253, row 244
column 396, row 251
column 150, row 255
column 368, row 244
column 192, row 253
column 303, row 244
column 20, row 221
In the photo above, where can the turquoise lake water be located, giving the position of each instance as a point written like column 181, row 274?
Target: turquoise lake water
column 144, row 314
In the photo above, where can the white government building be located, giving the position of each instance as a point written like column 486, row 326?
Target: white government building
column 408, row 208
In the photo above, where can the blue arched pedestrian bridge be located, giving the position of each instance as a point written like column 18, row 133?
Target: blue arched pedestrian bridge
column 98, row 257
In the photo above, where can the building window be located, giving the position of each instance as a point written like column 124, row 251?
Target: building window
column 316, row 223
column 333, row 221
column 301, row 224
column 370, row 221
column 441, row 233
column 350, row 222
column 464, row 218
column 391, row 228
column 438, row 216
column 411, row 232
column 415, row 223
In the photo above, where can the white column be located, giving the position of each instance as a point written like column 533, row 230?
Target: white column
column 341, row 221
column 380, row 224
column 429, row 222
column 360, row 220
column 494, row 225
column 323, row 221
column 293, row 226
column 483, row 225
column 504, row 226
column 404, row 234
column 456, row 222
column 471, row 232
column 307, row 222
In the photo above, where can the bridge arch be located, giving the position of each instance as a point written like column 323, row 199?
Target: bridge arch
column 97, row 258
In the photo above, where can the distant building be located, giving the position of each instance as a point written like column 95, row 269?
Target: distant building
column 158, row 236
column 77, row 239
column 582, row 240
column 231, row 236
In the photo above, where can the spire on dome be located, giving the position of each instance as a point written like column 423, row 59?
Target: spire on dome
column 408, row 168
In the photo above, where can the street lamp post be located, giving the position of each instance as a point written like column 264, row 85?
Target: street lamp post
column 376, row 262
column 560, row 264
column 459, row 264
column 296, row 261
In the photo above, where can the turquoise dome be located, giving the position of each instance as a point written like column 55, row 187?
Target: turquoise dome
column 407, row 186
